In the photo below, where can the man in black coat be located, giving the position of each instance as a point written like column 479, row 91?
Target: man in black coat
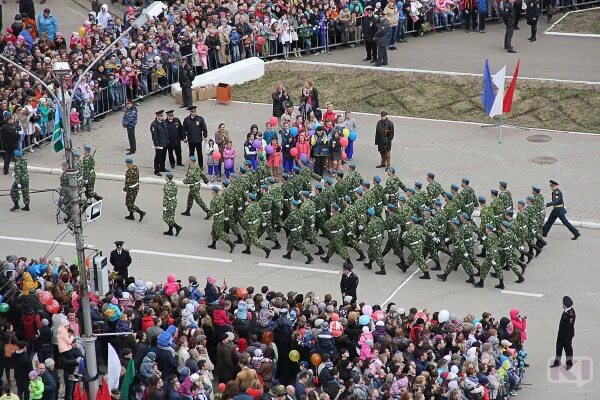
column 176, row 135
column 120, row 260
column 383, row 40
column 9, row 137
column 160, row 140
column 349, row 282
column 384, row 134
column 369, row 28
column 195, row 132
column 186, row 77
column 566, row 333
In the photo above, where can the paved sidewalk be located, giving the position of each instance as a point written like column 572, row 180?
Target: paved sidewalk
column 451, row 150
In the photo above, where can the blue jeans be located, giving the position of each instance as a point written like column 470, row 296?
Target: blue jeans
column 443, row 18
column 393, row 36
column 401, row 32
column 236, row 53
column 307, row 45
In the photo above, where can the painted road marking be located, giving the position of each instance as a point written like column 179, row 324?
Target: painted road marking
column 43, row 241
column 522, row 293
column 176, row 255
column 391, row 296
column 281, row 266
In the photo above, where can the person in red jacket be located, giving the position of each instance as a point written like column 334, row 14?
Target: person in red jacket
column 329, row 115
column 303, row 147
column 469, row 8
column 148, row 320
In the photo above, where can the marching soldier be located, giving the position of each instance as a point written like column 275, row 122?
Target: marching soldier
column 176, row 135
column 391, row 224
column 131, row 189
column 308, row 210
column 217, row 210
column 287, row 189
column 540, row 206
column 414, row 239
column 393, row 185
column 434, row 189
column 498, row 208
column 194, row 177
column 422, row 198
column 334, row 228
column 373, row 238
column 340, row 187
column 523, row 232
column 21, row 183
column 232, row 203
column 507, row 256
column 492, row 258
column 293, row 224
column 170, row 205
column 441, row 222
column 505, row 195
column 519, row 238
column 277, row 205
column 378, row 193
column 467, row 197
column 532, row 215
column 459, row 254
column 266, row 208
column 252, row 223
column 89, row 174
column 486, row 216
column 469, row 228
column 350, row 218
column 431, row 238
column 160, row 140
column 322, row 206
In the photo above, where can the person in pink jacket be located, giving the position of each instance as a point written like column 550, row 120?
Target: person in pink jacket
column 229, row 154
column 519, row 323
column 203, row 53
column 443, row 14
column 172, row 286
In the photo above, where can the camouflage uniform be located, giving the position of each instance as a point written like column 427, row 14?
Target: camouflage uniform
column 341, row 190
column 288, row 191
column 373, row 238
column 404, row 215
column 434, row 190
column 521, row 229
column 498, row 209
column 460, row 254
column 353, row 179
column 233, row 211
column 507, row 255
column 217, row 210
column 468, row 199
column 378, row 193
column 393, row 184
column 131, row 189
column 540, row 206
column 321, row 215
column 308, row 210
column 486, row 216
column 277, row 207
column 252, row 223
column 266, row 208
column 414, row 240
column 469, row 228
column 492, row 257
column 392, row 222
column 89, row 176
column 350, row 219
column 21, row 183
column 169, row 203
column 294, row 224
column 431, row 239
column 506, row 198
column 65, row 194
column 335, row 231
column 194, row 177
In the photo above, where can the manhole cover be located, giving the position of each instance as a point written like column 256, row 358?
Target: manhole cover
column 539, row 138
column 544, row 160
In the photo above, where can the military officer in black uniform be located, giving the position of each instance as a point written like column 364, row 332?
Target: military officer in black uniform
column 120, row 260
column 349, row 282
column 558, row 211
column 509, row 16
column 160, row 140
column 195, row 132
column 176, row 135
column 369, row 28
column 566, row 333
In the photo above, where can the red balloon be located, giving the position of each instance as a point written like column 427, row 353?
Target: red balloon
column 344, row 141
column 241, row 293
column 46, row 297
column 294, row 152
column 315, row 359
column 53, row 307
column 216, row 155
column 273, row 121
column 344, row 155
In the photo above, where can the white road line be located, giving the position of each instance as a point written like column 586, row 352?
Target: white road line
column 175, row 255
column 391, row 296
column 30, row 240
column 522, row 293
column 280, row 266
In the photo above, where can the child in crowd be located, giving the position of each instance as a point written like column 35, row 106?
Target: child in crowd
column 261, row 153
column 213, row 165
column 75, row 122
column 335, row 149
column 349, row 124
column 229, row 154
column 303, row 147
column 87, row 113
column 275, row 159
column 269, row 134
column 288, row 160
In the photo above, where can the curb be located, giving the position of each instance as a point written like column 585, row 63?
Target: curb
column 157, row 181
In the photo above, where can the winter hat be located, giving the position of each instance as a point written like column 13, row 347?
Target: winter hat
column 258, row 353
column 325, row 326
column 242, row 345
column 49, row 362
column 34, row 374
column 212, row 280
column 319, row 322
column 365, row 329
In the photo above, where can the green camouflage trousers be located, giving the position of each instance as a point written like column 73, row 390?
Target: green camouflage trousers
column 416, row 256
column 374, row 250
column 295, row 242
column 130, row 197
column 194, row 195
column 457, row 258
column 14, row 193
column 337, row 246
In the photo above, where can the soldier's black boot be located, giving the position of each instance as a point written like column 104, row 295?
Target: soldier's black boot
column 361, row 256
column 402, row 266
column 267, row 251
column 369, row 264
column 479, row 284
column 425, row 275
column 522, row 257
column 231, row 245
column 500, row 284
column 437, row 267
column 169, row 232
column 320, row 252
column 277, row 245
column 384, row 253
column 142, row 214
column 381, row 271
column 471, row 279
column 246, row 250
column 442, row 277
column 541, row 243
column 213, row 245
column 26, row 208
column 239, row 240
column 178, row 229
column 15, row 207
column 535, row 247
column 309, row 259
column 288, row 255
column 493, row 275
column 187, row 211
column 520, row 279
column 325, row 258
column 207, row 215
column 130, row 217
column 523, row 266
column 97, row 197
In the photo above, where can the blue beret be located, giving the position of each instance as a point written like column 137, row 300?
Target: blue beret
column 494, row 191
column 456, row 221
column 306, row 193
column 352, row 166
column 285, row 176
column 371, row 211
column 503, row 184
column 348, row 199
column 226, row 182
column 18, row 153
column 489, row 226
column 418, row 184
column 329, row 181
column 506, row 224
column 248, row 162
column 319, row 187
column 76, row 154
column 465, row 216
column 536, row 189
column 169, row 174
column 530, row 198
column 411, row 189
column 430, row 175
column 296, row 168
column 340, row 173
column 296, row 202
column 377, row 179
column 365, row 183
column 129, row 160
column 454, row 186
column 335, row 206
column 402, row 198
column 233, row 175
column 415, row 219
column 243, row 170
column 438, row 202
column 271, row 180
column 358, row 190
column 449, row 195
column 252, row 196
column 87, row 147
column 215, row 188
column 392, row 170
column 465, row 181
column 265, row 187
column 481, row 199
column 521, row 202
column 391, row 206
column 510, row 212
column 193, row 158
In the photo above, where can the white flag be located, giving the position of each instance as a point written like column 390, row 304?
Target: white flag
column 498, row 79
column 114, row 368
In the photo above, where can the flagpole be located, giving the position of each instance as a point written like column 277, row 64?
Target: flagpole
column 500, row 130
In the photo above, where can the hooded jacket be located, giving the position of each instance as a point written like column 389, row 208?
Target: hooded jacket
column 519, row 323
column 171, row 287
column 502, row 331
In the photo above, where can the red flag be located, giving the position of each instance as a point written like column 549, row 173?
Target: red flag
column 508, row 97
column 103, row 392
column 79, row 392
